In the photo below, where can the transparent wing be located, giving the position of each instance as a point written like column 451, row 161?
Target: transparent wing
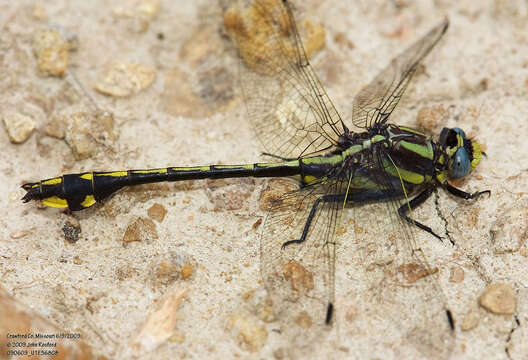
column 401, row 298
column 288, row 107
column 300, row 278
column 375, row 102
column 400, row 301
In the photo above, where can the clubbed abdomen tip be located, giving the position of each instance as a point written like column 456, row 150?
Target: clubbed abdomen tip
column 33, row 192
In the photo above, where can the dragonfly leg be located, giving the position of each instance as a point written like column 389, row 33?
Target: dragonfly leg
column 278, row 157
column 417, row 201
column 464, row 195
column 324, row 198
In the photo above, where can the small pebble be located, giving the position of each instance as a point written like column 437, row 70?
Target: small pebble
column 88, row 132
column 304, row 320
column 19, row 127
column 250, row 336
column 142, row 12
column 79, row 136
column 56, row 127
column 140, row 230
column 457, row 274
column 71, row 229
column 186, row 271
column 149, row 8
column 171, row 266
column 19, row 234
column 470, row 321
column 301, row 280
column 257, row 224
column 250, row 29
column 271, row 195
column 159, row 325
column 260, row 304
column 51, row 51
column 499, row 298
column 123, row 79
column 413, row 272
column 510, row 230
column 157, row 212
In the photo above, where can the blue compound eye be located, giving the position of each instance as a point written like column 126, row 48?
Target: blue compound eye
column 460, row 166
column 460, row 132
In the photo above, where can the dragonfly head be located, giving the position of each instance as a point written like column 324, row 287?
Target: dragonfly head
column 463, row 154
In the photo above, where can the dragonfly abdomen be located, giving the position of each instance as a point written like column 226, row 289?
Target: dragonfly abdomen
column 80, row 191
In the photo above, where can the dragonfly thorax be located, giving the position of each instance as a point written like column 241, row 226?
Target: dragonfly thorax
column 349, row 138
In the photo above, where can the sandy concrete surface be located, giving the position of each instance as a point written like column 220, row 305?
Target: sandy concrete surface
column 183, row 290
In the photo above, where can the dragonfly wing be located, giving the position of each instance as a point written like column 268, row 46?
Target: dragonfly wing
column 288, row 107
column 375, row 102
column 401, row 299
column 300, row 277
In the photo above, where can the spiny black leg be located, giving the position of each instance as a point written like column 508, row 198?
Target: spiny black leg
column 306, row 225
column 278, row 157
column 324, row 198
column 414, row 203
column 464, row 195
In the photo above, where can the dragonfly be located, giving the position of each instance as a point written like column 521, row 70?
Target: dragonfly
column 380, row 171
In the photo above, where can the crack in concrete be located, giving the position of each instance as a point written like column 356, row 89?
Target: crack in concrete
column 508, row 340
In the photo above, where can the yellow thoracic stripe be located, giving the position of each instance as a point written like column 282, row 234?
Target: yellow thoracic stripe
column 411, row 130
column 425, row 151
column 408, row 176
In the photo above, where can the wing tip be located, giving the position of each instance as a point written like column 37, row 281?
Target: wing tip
column 329, row 313
column 445, row 24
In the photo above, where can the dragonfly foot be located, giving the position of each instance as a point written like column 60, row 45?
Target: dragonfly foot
column 288, row 243
column 475, row 195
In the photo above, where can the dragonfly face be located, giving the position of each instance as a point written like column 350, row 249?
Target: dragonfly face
column 463, row 154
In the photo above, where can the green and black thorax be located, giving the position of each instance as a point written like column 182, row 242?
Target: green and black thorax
column 392, row 156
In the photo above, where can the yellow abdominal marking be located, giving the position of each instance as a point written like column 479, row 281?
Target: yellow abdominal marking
column 53, row 181
column 115, row 173
column 152, row 171
column 195, row 168
column 89, row 200
column 246, row 166
column 55, row 201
